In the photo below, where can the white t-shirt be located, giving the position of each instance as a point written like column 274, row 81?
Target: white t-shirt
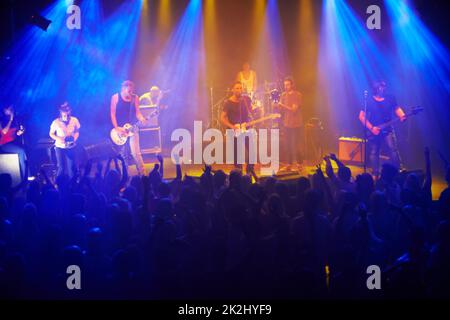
column 62, row 130
column 248, row 85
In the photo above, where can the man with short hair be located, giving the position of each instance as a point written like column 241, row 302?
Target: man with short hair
column 65, row 130
column 124, row 109
column 292, row 124
column 381, row 108
column 237, row 110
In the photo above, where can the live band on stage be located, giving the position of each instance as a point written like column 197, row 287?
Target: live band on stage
column 247, row 105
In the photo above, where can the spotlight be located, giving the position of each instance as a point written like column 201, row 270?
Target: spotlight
column 40, row 21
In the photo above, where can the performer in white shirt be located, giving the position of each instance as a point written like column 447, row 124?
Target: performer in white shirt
column 65, row 130
column 247, row 77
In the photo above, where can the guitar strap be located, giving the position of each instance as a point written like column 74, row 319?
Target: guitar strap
column 129, row 109
column 248, row 110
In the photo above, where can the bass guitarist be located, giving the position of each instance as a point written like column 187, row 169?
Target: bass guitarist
column 9, row 131
column 125, row 109
column 381, row 108
column 290, row 105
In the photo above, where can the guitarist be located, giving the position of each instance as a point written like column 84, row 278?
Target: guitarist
column 237, row 110
column 65, row 130
column 292, row 124
column 9, row 131
column 381, row 108
column 125, row 109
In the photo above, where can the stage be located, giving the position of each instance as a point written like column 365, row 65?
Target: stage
column 196, row 170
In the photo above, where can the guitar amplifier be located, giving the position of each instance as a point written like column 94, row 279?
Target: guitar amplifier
column 146, row 111
column 351, row 150
column 150, row 140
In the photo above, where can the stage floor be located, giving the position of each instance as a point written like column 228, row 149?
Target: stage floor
column 196, row 170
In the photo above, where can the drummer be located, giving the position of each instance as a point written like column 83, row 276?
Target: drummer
column 257, row 106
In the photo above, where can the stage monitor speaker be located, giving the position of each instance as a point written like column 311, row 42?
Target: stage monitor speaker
column 150, row 140
column 147, row 111
column 9, row 163
column 100, row 151
column 351, row 150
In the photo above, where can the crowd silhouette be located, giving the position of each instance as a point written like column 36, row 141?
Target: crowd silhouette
column 224, row 237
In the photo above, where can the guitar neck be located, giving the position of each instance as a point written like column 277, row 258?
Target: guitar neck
column 258, row 121
column 391, row 122
column 387, row 124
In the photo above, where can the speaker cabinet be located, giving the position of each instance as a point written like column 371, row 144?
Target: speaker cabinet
column 9, row 163
column 146, row 112
column 150, row 140
column 351, row 150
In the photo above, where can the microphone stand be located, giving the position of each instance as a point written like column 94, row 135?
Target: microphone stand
column 364, row 144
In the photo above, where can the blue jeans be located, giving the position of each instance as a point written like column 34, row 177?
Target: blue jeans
column 65, row 161
column 375, row 144
column 293, row 138
column 132, row 149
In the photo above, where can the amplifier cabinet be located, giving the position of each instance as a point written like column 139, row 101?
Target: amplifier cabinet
column 351, row 150
column 150, row 140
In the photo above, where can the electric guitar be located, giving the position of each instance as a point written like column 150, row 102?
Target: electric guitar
column 11, row 135
column 385, row 125
column 121, row 138
column 242, row 127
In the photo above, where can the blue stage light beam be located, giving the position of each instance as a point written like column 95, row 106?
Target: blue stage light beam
column 271, row 57
column 349, row 59
column 181, row 69
column 84, row 67
column 424, row 70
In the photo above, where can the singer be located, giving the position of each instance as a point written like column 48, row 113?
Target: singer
column 125, row 109
column 380, row 109
column 237, row 110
